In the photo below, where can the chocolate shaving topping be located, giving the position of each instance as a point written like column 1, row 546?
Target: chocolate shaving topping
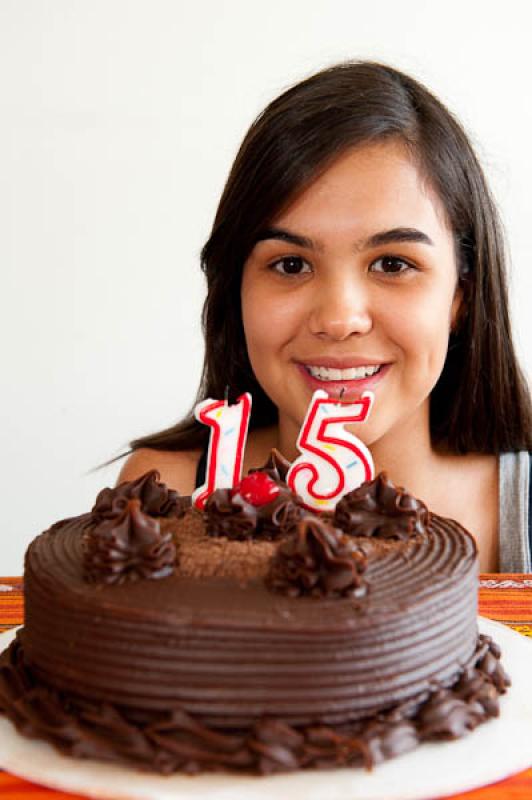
column 228, row 514
column 379, row 508
column 155, row 498
column 317, row 560
column 127, row 545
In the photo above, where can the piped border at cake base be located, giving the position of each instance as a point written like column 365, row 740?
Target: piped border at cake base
column 176, row 741
column 493, row 752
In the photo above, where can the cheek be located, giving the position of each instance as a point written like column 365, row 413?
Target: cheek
column 269, row 320
column 421, row 331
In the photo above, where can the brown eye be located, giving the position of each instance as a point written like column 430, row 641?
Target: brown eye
column 290, row 265
column 390, row 265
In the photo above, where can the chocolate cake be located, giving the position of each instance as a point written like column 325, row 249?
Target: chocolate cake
column 255, row 636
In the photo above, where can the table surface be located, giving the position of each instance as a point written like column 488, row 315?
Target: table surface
column 502, row 597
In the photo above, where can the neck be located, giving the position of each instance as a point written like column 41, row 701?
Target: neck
column 407, row 455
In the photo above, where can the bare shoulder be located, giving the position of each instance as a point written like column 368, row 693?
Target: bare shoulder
column 176, row 468
column 478, row 469
column 470, row 494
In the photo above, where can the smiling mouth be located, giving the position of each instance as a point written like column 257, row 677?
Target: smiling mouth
column 352, row 374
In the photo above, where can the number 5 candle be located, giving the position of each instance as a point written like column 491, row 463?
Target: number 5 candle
column 333, row 461
column 225, row 455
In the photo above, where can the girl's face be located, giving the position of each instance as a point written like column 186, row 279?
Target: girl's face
column 354, row 287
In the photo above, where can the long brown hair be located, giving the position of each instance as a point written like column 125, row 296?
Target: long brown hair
column 481, row 402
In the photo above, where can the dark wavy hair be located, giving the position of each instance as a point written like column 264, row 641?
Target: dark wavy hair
column 481, row 401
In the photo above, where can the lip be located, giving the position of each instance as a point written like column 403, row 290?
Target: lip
column 347, row 390
column 346, row 362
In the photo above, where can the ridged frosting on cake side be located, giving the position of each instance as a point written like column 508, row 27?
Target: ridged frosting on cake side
column 174, row 740
column 233, row 650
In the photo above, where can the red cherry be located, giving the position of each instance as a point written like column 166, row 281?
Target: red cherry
column 258, row 489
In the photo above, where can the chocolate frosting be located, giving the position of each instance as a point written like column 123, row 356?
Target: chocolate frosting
column 176, row 740
column 317, row 560
column 155, row 498
column 227, row 649
column 276, row 466
column 381, row 509
column 228, row 514
column 476, row 696
column 127, row 545
column 209, row 669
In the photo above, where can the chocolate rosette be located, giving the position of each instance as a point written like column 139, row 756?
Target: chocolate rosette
column 156, row 499
column 317, row 560
column 228, row 514
column 126, row 546
column 381, row 509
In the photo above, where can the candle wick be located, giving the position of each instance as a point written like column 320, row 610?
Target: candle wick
column 342, row 392
column 226, row 394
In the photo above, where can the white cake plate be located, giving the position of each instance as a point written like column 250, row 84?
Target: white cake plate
column 492, row 752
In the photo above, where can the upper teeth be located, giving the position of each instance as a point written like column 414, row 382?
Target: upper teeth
column 326, row 374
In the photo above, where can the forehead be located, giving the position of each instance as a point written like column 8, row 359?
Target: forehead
column 368, row 188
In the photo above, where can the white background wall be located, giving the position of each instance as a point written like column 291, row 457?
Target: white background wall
column 119, row 120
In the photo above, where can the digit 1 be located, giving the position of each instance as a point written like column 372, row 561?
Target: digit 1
column 225, row 456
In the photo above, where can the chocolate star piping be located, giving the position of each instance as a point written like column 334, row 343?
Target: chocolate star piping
column 127, row 545
column 155, row 498
column 317, row 560
column 381, row 509
column 228, row 514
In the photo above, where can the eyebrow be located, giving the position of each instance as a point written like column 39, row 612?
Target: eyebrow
column 375, row 240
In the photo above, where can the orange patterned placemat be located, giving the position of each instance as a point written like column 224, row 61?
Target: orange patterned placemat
column 11, row 603
column 508, row 599
column 502, row 597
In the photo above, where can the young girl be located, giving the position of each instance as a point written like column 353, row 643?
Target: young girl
column 356, row 246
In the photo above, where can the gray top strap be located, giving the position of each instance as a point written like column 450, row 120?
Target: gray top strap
column 514, row 491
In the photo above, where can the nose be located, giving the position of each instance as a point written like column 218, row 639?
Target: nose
column 341, row 309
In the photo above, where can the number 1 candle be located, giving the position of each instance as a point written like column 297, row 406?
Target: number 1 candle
column 225, row 455
column 332, row 461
